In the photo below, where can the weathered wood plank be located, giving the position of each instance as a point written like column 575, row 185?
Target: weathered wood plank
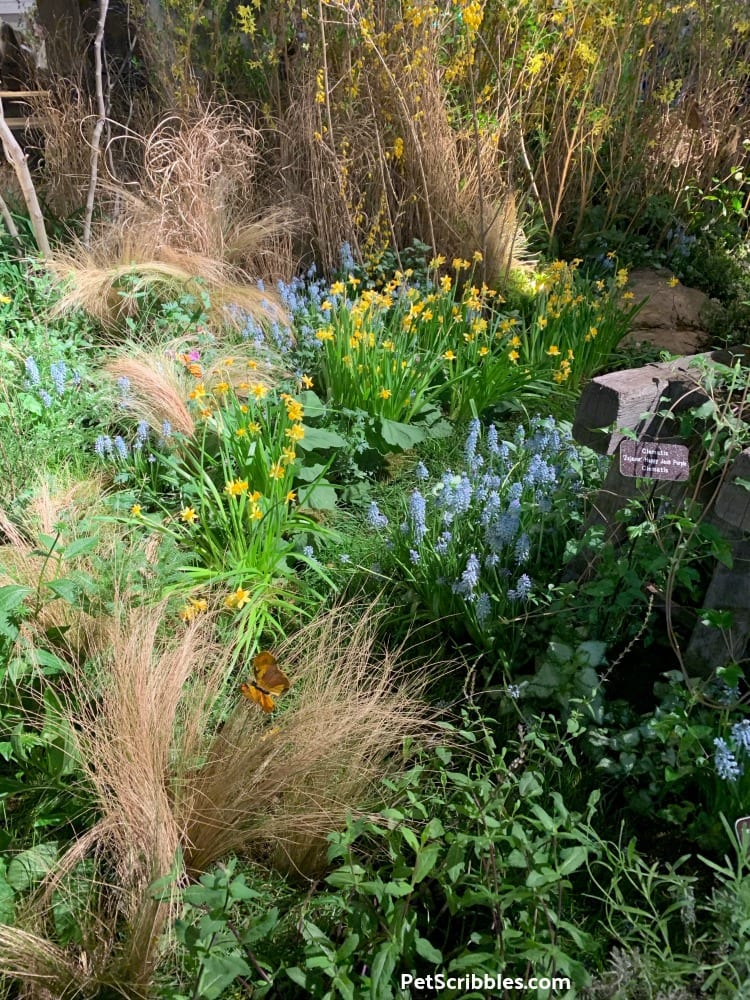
column 617, row 401
column 29, row 122
column 733, row 501
column 22, row 95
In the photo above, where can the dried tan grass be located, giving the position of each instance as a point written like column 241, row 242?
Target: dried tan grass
column 276, row 790
column 195, row 225
column 159, row 383
column 157, row 391
column 23, row 562
column 165, row 780
column 47, row 971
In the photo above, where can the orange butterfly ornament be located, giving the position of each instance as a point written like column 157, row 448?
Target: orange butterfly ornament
column 270, row 680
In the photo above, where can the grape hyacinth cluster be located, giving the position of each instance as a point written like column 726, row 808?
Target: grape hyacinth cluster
column 730, row 754
column 58, row 380
column 494, row 530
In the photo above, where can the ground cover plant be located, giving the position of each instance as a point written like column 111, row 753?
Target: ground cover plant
column 320, row 666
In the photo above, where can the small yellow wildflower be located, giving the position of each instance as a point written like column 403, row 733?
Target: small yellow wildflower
column 276, row 471
column 294, row 410
column 243, row 408
column 337, row 288
column 259, row 390
column 398, row 148
column 5, row 299
column 256, row 514
column 478, row 257
column 236, row 487
column 206, row 412
column 193, row 608
column 673, row 282
column 593, row 331
column 189, row 515
column 449, row 356
column 459, row 264
column 252, row 365
column 221, row 387
column 514, row 356
column 515, row 341
column 437, row 261
column 628, row 296
column 296, row 432
column 238, row 599
column 446, row 283
column 241, row 432
column 198, row 392
column 326, row 333
column 385, row 394
column 288, row 454
column 291, row 496
column 325, row 306
column 483, row 351
column 541, row 322
column 195, row 370
column 353, row 281
column 307, row 382
column 553, row 351
column 135, row 510
column 621, row 277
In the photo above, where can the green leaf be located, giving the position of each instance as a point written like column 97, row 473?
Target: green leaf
column 297, row 976
column 314, row 406
column 403, row 437
column 428, row 951
column 31, row 866
column 320, row 439
column 65, row 588
column 12, row 597
column 7, row 901
column 321, row 496
column 31, row 404
column 219, row 972
column 571, row 859
column 426, row 861
column 383, row 966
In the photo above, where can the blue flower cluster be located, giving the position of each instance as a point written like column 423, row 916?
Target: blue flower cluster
column 490, row 527
column 107, row 447
column 729, row 754
column 58, row 379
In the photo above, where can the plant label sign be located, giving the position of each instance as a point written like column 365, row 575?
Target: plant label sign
column 654, row 460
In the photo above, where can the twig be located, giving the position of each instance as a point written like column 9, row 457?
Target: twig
column 100, row 121
column 10, row 224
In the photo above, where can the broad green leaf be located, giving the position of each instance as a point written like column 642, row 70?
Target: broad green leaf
column 219, row 972
column 426, row 861
column 428, row 951
column 320, row 439
column 401, row 436
column 30, row 867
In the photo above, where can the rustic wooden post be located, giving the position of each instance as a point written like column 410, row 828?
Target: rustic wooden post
column 631, row 416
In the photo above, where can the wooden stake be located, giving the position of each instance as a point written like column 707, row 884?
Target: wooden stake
column 17, row 159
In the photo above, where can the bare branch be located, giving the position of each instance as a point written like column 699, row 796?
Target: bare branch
column 96, row 139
